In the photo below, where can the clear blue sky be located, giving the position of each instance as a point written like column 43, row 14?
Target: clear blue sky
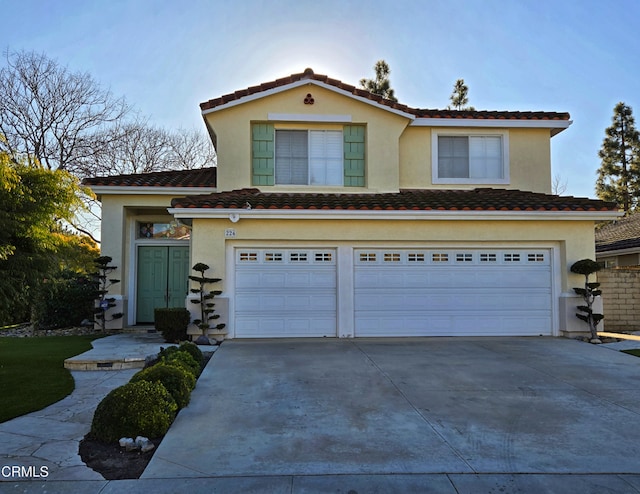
column 166, row 57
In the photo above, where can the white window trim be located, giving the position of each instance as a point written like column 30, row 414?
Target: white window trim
column 504, row 134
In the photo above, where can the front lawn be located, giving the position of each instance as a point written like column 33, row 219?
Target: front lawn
column 32, row 373
column 635, row 352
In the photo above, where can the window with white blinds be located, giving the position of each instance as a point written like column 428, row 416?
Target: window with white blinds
column 470, row 159
column 313, row 157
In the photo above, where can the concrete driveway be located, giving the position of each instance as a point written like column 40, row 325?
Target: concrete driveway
column 456, row 407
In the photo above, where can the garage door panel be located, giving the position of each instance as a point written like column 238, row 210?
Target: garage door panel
column 285, row 293
column 280, row 327
column 402, row 324
column 285, row 279
column 453, row 292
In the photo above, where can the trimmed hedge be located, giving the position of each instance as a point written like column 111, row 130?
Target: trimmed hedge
column 63, row 301
column 147, row 405
column 172, row 323
column 193, row 350
column 140, row 408
column 180, row 358
column 178, row 381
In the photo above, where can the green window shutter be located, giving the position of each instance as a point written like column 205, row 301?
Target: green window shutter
column 262, row 154
column 354, row 155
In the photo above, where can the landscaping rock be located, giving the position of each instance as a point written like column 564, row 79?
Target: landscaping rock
column 27, row 331
column 124, row 441
column 202, row 340
column 146, row 445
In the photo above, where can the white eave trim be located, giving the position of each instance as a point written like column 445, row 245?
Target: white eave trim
column 130, row 190
column 304, row 82
column 491, row 123
column 318, row 214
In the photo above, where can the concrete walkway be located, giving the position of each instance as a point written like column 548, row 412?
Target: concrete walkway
column 117, row 352
column 50, row 437
column 460, row 415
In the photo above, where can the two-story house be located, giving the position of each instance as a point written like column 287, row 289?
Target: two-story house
column 336, row 213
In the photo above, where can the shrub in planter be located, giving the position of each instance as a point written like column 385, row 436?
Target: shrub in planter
column 172, row 323
column 140, row 408
column 177, row 380
column 182, row 359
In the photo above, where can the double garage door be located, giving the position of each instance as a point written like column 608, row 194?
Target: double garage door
column 392, row 292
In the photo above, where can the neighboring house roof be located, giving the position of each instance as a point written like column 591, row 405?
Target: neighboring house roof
column 619, row 235
column 309, row 76
column 483, row 199
column 202, row 177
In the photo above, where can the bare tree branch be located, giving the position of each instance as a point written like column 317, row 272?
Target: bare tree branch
column 49, row 115
column 559, row 185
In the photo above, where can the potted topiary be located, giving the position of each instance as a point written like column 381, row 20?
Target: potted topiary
column 590, row 291
column 205, row 301
column 104, row 303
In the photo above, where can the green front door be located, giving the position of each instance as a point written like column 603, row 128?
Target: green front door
column 162, row 279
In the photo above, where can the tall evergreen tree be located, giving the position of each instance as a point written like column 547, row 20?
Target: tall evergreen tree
column 380, row 85
column 459, row 97
column 619, row 172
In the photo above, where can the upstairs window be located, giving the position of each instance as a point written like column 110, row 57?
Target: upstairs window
column 472, row 158
column 312, row 157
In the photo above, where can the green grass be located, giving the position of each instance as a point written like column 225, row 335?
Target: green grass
column 635, row 353
column 32, row 373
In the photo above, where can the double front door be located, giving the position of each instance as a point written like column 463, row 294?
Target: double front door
column 162, row 279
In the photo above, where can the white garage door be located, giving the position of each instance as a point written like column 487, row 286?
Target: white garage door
column 285, row 293
column 452, row 292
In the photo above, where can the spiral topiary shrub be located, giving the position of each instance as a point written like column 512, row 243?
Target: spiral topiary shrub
column 140, row 408
column 180, row 358
column 178, row 381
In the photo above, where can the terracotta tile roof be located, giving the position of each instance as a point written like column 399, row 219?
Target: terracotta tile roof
column 202, row 177
column 620, row 234
column 363, row 93
column 484, row 199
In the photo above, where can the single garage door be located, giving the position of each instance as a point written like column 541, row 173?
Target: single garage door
column 448, row 292
column 285, row 293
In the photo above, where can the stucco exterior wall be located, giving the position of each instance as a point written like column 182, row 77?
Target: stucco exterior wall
column 529, row 159
column 119, row 214
column 397, row 155
column 233, row 129
column 570, row 241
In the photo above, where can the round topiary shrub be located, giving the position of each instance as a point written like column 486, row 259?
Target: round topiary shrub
column 140, row 408
column 193, row 350
column 177, row 380
column 184, row 360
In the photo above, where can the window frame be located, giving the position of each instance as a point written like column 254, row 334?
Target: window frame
column 503, row 134
column 309, row 183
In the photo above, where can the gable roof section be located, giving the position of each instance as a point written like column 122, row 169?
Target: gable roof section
column 556, row 120
column 165, row 182
column 619, row 235
column 480, row 200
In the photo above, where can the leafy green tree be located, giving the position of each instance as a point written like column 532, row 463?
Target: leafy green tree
column 33, row 202
column 619, row 172
column 381, row 84
column 459, row 97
